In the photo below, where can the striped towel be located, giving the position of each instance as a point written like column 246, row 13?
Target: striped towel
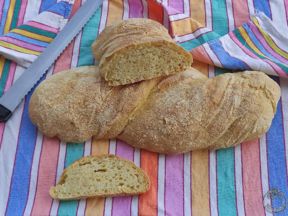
column 223, row 35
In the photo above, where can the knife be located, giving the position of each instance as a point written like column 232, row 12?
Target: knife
column 12, row 98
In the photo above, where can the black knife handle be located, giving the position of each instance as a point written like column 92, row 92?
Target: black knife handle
column 5, row 113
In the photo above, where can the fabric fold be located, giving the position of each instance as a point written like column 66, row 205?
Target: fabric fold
column 25, row 43
column 256, row 45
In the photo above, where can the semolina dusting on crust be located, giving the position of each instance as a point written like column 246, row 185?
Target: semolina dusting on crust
column 100, row 176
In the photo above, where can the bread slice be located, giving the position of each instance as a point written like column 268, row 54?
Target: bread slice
column 100, row 176
column 138, row 49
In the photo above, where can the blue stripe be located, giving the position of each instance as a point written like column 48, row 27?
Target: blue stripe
column 263, row 5
column 226, row 59
column 27, row 39
column 276, row 158
column 62, row 9
column 4, row 16
column 261, row 48
column 226, row 194
column 23, row 162
column 46, row 4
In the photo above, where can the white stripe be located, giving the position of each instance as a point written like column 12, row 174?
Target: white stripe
column 208, row 12
column 145, row 8
column 264, row 169
column 213, row 184
column 251, row 7
column 235, row 51
column 278, row 35
column 103, row 15
column 75, row 53
column 108, row 201
column 238, row 181
column 126, row 9
column 32, row 9
column 161, row 185
column 191, row 36
column 60, row 168
column 184, row 15
column 8, row 150
column 229, row 7
column 135, row 200
column 284, row 98
column 187, row 184
column 211, row 71
column 279, row 14
column 82, row 202
column 212, row 55
column 34, row 174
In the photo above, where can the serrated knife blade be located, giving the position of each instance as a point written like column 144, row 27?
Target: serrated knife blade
column 12, row 98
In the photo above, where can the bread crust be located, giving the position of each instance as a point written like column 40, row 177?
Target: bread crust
column 174, row 114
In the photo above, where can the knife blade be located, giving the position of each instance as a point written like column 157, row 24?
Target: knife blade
column 13, row 97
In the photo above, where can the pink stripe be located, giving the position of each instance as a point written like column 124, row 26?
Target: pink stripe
column 275, row 67
column 22, row 12
column 174, row 184
column 286, row 8
column 240, row 12
column 22, row 44
column 122, row 205
column 135, row 8
column 175, row 7
column 259, row 36
column 42, row 26
column 46, row 176
column 252, row 190
column 200, row 54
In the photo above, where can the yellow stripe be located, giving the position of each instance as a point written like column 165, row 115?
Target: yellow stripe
column 269, row 40
column 32, row 35
column 9, row 16
column 2, row 62
column 249, row 42
column 95, row 206
column 200, row 182
column 17, row 48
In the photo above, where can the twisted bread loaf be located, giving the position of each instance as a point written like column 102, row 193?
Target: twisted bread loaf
column 183, row 112
column 127, row 47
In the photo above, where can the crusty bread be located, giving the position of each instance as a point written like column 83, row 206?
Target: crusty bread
column 138, row 49
column 100, row 176
column 180, row 113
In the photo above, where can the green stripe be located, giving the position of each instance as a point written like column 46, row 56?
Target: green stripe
column 74, row 151
column 226, row 182
column 89, row 34
column 239, row 36
column 15, row 14
column 4, row 75
column 37, row 31
column 220, row 17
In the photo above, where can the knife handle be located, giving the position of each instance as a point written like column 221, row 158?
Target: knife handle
column 4, row 113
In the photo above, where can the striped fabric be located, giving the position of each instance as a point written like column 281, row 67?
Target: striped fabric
column 232, row 181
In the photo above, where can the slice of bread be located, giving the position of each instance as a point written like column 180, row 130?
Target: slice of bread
column 100, row 176
column 138, row 49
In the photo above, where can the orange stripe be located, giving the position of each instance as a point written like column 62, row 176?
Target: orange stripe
column 155, row 11
column 95, row 206
column 195, row 21
column 200, row 66
column 200, row 183
column 148, row 201
column 115, row 11
column 2, row 61
column 252, row 189
column 200, row 54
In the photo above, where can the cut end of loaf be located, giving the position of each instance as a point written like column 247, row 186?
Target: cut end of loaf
column 100, row 176
column 144, row 62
